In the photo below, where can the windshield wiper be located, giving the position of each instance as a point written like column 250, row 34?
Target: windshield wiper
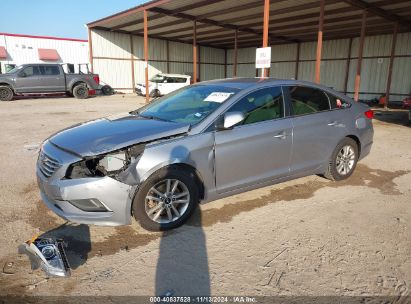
column 152, row 117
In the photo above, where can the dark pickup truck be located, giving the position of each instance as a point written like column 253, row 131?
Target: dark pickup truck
column 45, row 79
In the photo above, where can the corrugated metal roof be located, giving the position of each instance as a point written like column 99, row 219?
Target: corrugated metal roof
column 290, row 20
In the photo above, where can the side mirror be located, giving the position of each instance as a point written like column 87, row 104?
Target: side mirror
column 230, row 120
column 22, row 74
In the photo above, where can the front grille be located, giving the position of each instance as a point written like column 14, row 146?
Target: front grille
column 47, row 165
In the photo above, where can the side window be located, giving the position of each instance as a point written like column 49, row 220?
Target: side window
column 31, row 71
column 261, row 105
column 305, row 100
column 50, row 70
column 337, row 103
column 180, row 80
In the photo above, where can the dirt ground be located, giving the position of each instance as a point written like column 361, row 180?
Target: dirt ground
column 304, row 237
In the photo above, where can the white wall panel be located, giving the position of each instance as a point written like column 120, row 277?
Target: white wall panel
column 117, row 73
column 401, row 77
column 211, row 71
column 331, row 49
column 333, row 73
column 373, row 46
column 306, row 71
column 282, row 70
column 283, row 52
column 403, row 46
column 180, row 51
column 110, row 44
column 211, row 55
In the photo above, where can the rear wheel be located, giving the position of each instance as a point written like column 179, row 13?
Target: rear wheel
column 166, row 199
column 343, row 160
column 80, row 91
column 6, row 93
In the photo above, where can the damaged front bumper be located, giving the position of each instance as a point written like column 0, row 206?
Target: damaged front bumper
column 66, row 197
column 47, row 254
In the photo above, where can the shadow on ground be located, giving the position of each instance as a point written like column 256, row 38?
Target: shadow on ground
column 399, row 117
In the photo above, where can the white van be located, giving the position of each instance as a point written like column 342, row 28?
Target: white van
column 162, row 84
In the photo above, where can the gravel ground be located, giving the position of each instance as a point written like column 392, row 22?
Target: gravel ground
column 304, row 237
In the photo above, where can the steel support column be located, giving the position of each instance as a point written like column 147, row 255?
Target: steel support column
column 146, row 55
column 133, row 83
column 168, row 55
column 389, row 79
column 265, row 29
column 297, row 61
column 359, row 61
column 319, row 43
column 235, row 53
column 225, row 63
column 199, row 63
column 90, row 49
column 194, row 51
column 347, row 66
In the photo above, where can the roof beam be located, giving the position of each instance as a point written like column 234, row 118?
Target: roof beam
column 328, row 32
column 274, row 12
column 375, row 10
column 301, row 26
column 213, row 22
column 178, row 10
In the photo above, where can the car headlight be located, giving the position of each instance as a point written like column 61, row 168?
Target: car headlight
column 109, row 164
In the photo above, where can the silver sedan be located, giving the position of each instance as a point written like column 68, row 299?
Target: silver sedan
column 198, row 144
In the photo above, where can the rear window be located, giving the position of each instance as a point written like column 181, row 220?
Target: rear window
column 337, row 103
column 305, row 100
column 49, row 70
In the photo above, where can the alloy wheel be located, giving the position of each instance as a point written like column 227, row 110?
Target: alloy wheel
column 345, row 160
column 167, row 201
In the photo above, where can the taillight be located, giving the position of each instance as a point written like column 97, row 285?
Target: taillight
column 96, row 79
column 369, row 114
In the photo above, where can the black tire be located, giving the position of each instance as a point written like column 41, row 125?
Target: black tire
column 332, row 172
column 107, row 90
column 80, row 91
column 6, row 93
column 155, row 93
column 139, row 203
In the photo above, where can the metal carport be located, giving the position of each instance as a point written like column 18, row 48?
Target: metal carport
column 320, row 35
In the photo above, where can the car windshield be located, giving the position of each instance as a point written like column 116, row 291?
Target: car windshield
column 14, row 70
column 188, row 105
column 157, row 78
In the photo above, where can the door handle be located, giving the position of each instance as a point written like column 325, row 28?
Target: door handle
column 280, row 135
column 333, row 123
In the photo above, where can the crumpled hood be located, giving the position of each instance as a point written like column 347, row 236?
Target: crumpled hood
column 113, row 133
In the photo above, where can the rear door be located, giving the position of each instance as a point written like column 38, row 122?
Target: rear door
column 52, row 78
column 258, row 149
column 316, row 129
column 28, row 80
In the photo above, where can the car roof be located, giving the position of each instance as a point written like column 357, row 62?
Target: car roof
column 174, row 75
column 250, row 82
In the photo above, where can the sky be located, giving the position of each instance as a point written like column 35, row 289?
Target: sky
column 59, row 18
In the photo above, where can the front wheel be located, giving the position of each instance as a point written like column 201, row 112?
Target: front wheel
column 343, row 160
column 155, row 93
column 166, row 199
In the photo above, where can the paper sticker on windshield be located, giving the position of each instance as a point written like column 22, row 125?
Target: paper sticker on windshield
column 218, row 97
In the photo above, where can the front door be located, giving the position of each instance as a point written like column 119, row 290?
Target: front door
column 258, row 149
column 28, row 80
